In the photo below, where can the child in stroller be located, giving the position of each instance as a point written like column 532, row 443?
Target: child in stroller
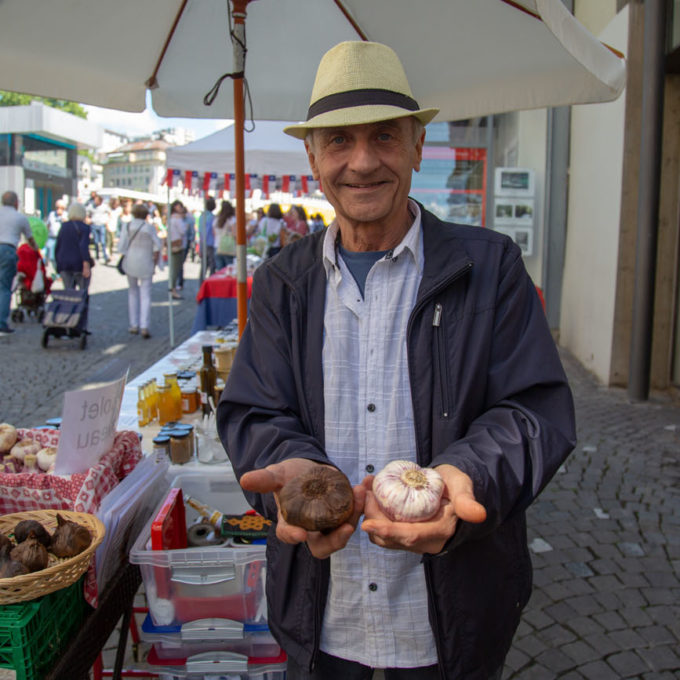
column 30, row 298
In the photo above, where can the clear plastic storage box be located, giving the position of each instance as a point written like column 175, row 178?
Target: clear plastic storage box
column 225, row 581
column 210, row 635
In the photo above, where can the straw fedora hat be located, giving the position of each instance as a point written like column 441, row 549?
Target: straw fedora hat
column 358, row 83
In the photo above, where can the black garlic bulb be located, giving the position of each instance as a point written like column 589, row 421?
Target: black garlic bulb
column 23, row 528
column 69, row 538
column 319, row 500
column 5, row 541
column 31, row 553
column 9, row 567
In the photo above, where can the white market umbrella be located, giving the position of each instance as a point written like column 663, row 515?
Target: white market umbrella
column 467, row 57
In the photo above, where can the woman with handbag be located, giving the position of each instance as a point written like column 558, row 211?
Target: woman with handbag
column 177, row 227
column 72, row 249
column 224, row 229
column 141, row 247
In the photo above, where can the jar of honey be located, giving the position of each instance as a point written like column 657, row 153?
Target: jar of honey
column 190, row 399
column 166, row 407
column 176, row 393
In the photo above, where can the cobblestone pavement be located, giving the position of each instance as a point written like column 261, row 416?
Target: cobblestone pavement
column 34, row 379
column 604, row 535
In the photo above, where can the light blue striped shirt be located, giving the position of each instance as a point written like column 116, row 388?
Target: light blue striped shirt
column 376, row 612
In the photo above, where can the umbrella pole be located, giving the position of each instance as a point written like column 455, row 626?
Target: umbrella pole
column 239, row 16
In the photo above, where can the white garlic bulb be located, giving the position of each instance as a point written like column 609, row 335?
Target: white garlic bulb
column 408, row 493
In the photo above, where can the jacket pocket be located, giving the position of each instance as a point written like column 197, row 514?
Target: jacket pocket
column 441, row 363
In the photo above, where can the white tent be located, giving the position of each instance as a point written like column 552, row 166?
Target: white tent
column 268, row 151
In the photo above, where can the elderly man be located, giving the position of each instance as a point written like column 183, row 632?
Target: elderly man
column 12, row 226
column 394, row 335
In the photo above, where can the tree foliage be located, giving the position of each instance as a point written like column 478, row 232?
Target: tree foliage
column 18, row 99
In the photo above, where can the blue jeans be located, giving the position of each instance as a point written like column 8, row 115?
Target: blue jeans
column 8, row 268
column 50, row 245
column 99, row 238
column 222, row 261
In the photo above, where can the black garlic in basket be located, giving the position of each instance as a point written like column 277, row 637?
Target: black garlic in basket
column 69, row 538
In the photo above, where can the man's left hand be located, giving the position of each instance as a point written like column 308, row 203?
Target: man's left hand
column 458, row 503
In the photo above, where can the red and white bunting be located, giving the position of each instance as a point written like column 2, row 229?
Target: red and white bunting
column 299, row 185
column 268, row 185
column 172, row 177
column 209, row 182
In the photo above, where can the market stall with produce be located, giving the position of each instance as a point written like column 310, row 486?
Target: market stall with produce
column 139, row 469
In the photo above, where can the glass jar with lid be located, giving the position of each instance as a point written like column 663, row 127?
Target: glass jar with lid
column 180, row 446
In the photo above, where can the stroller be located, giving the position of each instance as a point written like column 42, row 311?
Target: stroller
column 66, row 316
column 29, row 299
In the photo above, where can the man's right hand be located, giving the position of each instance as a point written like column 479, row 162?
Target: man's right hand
column 273, row 478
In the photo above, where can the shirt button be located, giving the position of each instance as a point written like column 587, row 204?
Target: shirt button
column 373, row 587
column 369, row 468
column 371, row 407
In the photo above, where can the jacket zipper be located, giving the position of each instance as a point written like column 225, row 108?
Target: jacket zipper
column 440, row 358
column 411, row 359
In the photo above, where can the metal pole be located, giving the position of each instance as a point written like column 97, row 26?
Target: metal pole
column 171, row 320
column 203, row 235
column 648, row 198
column 239, row 15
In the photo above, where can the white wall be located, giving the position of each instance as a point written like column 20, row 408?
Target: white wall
column 595, row 15
column 12, row 179
column 590, row 272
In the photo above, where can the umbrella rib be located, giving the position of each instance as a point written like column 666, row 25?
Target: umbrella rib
column 521, row 8
column 351, row 20
column 152, row 83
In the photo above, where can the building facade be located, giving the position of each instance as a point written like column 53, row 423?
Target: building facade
column 136, row 166
column 39, row 153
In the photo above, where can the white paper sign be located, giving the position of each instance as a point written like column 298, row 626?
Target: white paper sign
column 88, row 426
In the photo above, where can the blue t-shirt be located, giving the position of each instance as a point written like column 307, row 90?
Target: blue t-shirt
column 359, row 264
column 209, row 235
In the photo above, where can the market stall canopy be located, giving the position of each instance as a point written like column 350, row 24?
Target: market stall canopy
column 467, row 57
column 268, row 151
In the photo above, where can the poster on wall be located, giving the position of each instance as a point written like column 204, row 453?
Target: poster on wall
column 517, row 182
column 514, row 211
column 522, row 236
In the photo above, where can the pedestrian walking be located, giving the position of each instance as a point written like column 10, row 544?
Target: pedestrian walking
column 13, row 225
column 72, row 251
column 55, row 219
column 99, row 217
column 177, row 227
column 142, row 248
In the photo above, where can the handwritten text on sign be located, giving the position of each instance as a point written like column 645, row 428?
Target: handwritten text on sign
column 88, row 426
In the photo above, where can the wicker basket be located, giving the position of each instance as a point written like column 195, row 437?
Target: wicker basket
column 60, row 572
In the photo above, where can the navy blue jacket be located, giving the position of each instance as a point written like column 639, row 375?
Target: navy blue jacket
column 72, row 247
column 490, row 397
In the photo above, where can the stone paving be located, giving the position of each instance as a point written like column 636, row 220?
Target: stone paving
column 34, row 379
column 604, row 535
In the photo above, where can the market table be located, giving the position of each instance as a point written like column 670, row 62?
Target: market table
column 216, row 300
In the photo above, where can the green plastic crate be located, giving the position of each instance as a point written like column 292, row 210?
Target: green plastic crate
column 33, row 633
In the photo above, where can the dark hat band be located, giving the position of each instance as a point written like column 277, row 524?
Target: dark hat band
column 365, row 97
